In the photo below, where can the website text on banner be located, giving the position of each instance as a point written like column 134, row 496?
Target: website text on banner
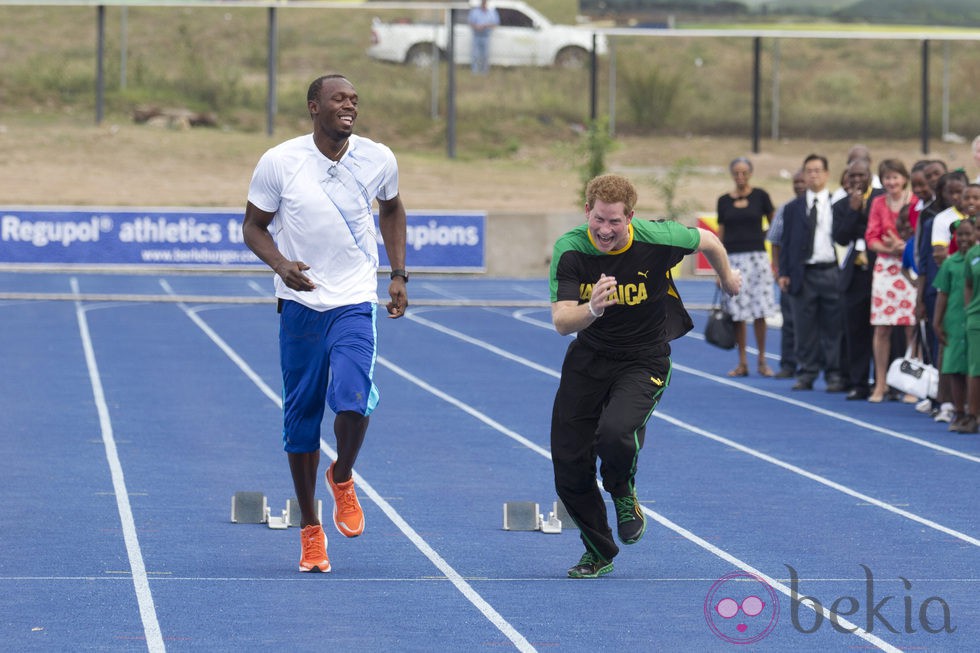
column 204, row 238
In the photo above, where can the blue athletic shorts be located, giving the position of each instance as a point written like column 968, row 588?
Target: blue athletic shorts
column 327, row 358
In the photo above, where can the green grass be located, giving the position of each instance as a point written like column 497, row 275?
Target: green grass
column 214, row 59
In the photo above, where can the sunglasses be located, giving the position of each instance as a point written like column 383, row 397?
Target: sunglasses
column 752, row 606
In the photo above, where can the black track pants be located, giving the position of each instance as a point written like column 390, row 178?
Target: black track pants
column 600, row 411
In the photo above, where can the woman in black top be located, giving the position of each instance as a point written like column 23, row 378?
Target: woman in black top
column 743, row 218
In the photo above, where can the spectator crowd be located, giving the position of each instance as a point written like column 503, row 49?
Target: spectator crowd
column 881, row 268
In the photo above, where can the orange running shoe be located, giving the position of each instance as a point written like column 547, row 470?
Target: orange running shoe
column 347, row 514
column 314, row 549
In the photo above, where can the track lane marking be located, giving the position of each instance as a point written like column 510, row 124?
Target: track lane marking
column 661, row 519
column 720, row 439
column 144, row 597
column 457, row 579
column 521, row 316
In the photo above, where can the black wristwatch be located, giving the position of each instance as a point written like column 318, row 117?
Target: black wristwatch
column 399, row 273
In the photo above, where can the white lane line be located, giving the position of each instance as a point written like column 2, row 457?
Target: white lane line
column 438, row 291
column 148, row 614
column 731, row 443
column 521, row 316
column 466, row 408
column 828, row 413
column 664, row 521
column 259, row 289
column 749, row 349
column 223, row 346
column 454, row 577
column 484, row 345
column 535, row 292
column 885, row 582
column 819, row 479
column 518, row 640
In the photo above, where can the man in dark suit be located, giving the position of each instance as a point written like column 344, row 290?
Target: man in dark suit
column 850, row 222
column 808, row 272
column 787, row 343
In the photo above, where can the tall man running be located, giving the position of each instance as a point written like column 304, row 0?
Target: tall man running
column 611, row 283
column 315, row 193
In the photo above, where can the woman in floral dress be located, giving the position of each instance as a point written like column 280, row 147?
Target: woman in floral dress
column 892, row 295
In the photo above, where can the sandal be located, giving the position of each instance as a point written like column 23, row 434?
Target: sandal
column 741, row 370
column 765, row 370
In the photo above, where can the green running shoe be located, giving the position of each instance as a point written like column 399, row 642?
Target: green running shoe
column 632, row 523
column 590, row 566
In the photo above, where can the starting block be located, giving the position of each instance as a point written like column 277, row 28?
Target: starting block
column 253, row 508
column 249, row 508
column 277, row 522
column 562, row 515
column 521, row 516
column 291, row 515
column 524, row 516
column 552, row 526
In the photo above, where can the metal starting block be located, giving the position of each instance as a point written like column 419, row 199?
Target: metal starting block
column 253, row 508
column 524, row 516
column 277, row 522
column 553, row 525
column 562, row 515
column 292, row 514
column 521, row 516
column 249, row 508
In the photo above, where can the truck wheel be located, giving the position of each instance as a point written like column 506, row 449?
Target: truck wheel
column 572, row 57
column 420, row 55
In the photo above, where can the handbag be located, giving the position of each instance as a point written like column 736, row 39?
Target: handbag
column 720, row 329
column 913, row 375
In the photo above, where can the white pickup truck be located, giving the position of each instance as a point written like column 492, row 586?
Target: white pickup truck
column 523, row 38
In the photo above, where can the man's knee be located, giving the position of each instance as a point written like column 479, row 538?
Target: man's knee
column 574, row 482
column 616, row 428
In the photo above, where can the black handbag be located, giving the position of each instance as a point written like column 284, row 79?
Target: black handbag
column 720, row 329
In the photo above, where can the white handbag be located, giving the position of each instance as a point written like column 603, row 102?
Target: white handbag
column 912, row 375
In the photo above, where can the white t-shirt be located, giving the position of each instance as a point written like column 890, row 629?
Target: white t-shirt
column 941, row 224
column 324, row 215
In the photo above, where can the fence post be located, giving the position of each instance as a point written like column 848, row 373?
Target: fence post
column 270, row 98
column 612, row 88
column 756, row 84
column 775, row 90
column 925, row 96
column 100, row 65
column 593, row 81
column 451, row 85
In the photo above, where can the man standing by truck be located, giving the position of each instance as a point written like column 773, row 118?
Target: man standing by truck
column 482, row 20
